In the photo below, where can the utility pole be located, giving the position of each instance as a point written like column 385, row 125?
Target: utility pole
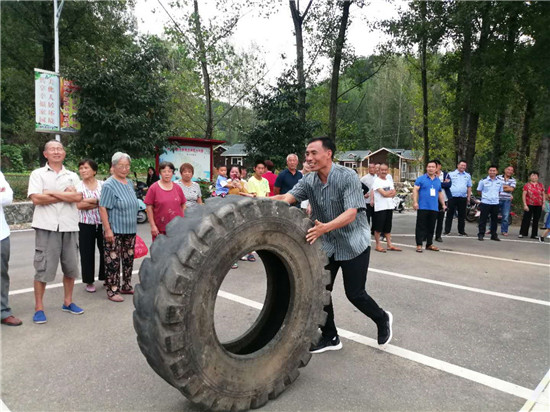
column 56, row 16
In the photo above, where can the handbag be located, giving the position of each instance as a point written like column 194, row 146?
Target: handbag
column 140, row 249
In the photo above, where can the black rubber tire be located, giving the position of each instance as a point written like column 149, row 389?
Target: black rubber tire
column 174, row 302
column 471, row 215
column 141, row 216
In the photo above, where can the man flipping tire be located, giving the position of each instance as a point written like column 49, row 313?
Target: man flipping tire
column 335, row 196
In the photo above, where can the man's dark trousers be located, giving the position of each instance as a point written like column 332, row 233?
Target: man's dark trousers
column 486, row 211
column 425, row 225
column 456, row 203
column 354, row 272
column 439, row 224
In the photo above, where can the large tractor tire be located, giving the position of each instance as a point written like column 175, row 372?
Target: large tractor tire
column 175, row 299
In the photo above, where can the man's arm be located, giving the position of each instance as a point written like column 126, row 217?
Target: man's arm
column 387, row 193
column 6, row 192
column 415, row 197
column 287, row 197
column 469, row 194
column 320, row 229
column 41, row 199
column 276, row 190
column 69, row 195
column 442, row 199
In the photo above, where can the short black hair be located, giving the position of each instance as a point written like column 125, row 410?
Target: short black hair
column 462, row 161
column 326, row 142
column 258, row 162
column 90, row 163
column 222, row 165
column 436, row 161
column 164, row 165
column 432, row 161
column 533, row 172
column 495, row 166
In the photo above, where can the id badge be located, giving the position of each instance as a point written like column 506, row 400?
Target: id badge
column 432, row 192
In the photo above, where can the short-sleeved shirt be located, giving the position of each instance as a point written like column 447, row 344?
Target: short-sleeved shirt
column 90, row 216
column 6, row 198
column 286, row 180
column 221, row 184
column 490, row 190
column 341, row 192
column 428, row 192
column 167, row 204
column 192, row 194
column 259, row 187
column 535, row 194
column 271, row 178
column 122, row 205
column 460, row 182
column 368, row 180
column 381, row 202
column 60, row 216
column 506, row 182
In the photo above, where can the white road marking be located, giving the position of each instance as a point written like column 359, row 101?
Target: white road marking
column 455, row 286
column 3, row 407
column 50, row 286
column 523, row 262
column 537, row 394
column 502, row 238
column 491, row 382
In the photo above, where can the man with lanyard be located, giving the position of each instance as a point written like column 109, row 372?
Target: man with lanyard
column 335, row 196
column 461, row 190
column 446, row 186
column 490, row 189
column 368, row 180
column 427, row 195
column 505, row 198
column 288, row 178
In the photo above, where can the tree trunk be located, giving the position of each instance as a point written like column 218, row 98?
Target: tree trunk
column 423, row 68
column 465, row 89
column 298, row 21
column 507, row 78
column 209, row 131
column 525, row 138
column 543, row 158
column 333, row 108
column 477, row 85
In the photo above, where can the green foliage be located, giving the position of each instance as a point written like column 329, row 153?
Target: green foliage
column 278, row 131
column 19, row 183
column 206, row 191
column 123, row 101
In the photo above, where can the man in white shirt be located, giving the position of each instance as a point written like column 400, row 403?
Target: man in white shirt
column 368, row 180
column 382, row 200
column 6, row 198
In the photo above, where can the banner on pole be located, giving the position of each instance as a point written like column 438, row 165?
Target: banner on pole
column 46, row 94
column 56, row 103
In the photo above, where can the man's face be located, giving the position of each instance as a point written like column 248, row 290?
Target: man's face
column 431, row 168
column 372, row 168
column 292, row 163
column 259, row 169
column 54, row 152
column 383, row 171
column 437, row 168
column 493, row 172
column 317, row 156
column 377, row 168
column 509, row 171
column 461, row 167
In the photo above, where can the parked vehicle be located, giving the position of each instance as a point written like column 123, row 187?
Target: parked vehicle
column 399, row 202
column 472, row 209
column 140, row 188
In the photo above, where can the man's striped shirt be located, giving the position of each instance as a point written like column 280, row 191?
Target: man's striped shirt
column 328, row 201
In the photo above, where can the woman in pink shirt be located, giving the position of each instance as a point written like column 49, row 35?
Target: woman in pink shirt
column 165, row 200
column 533, row 198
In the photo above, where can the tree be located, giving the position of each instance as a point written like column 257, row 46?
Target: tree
column 123, row 101
column 279, row 130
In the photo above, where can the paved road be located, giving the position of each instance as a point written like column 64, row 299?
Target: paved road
column 471, row 332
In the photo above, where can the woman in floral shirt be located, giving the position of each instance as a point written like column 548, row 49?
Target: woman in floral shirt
column 533, row 198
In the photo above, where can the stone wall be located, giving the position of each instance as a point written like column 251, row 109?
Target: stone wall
column 19, row 213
